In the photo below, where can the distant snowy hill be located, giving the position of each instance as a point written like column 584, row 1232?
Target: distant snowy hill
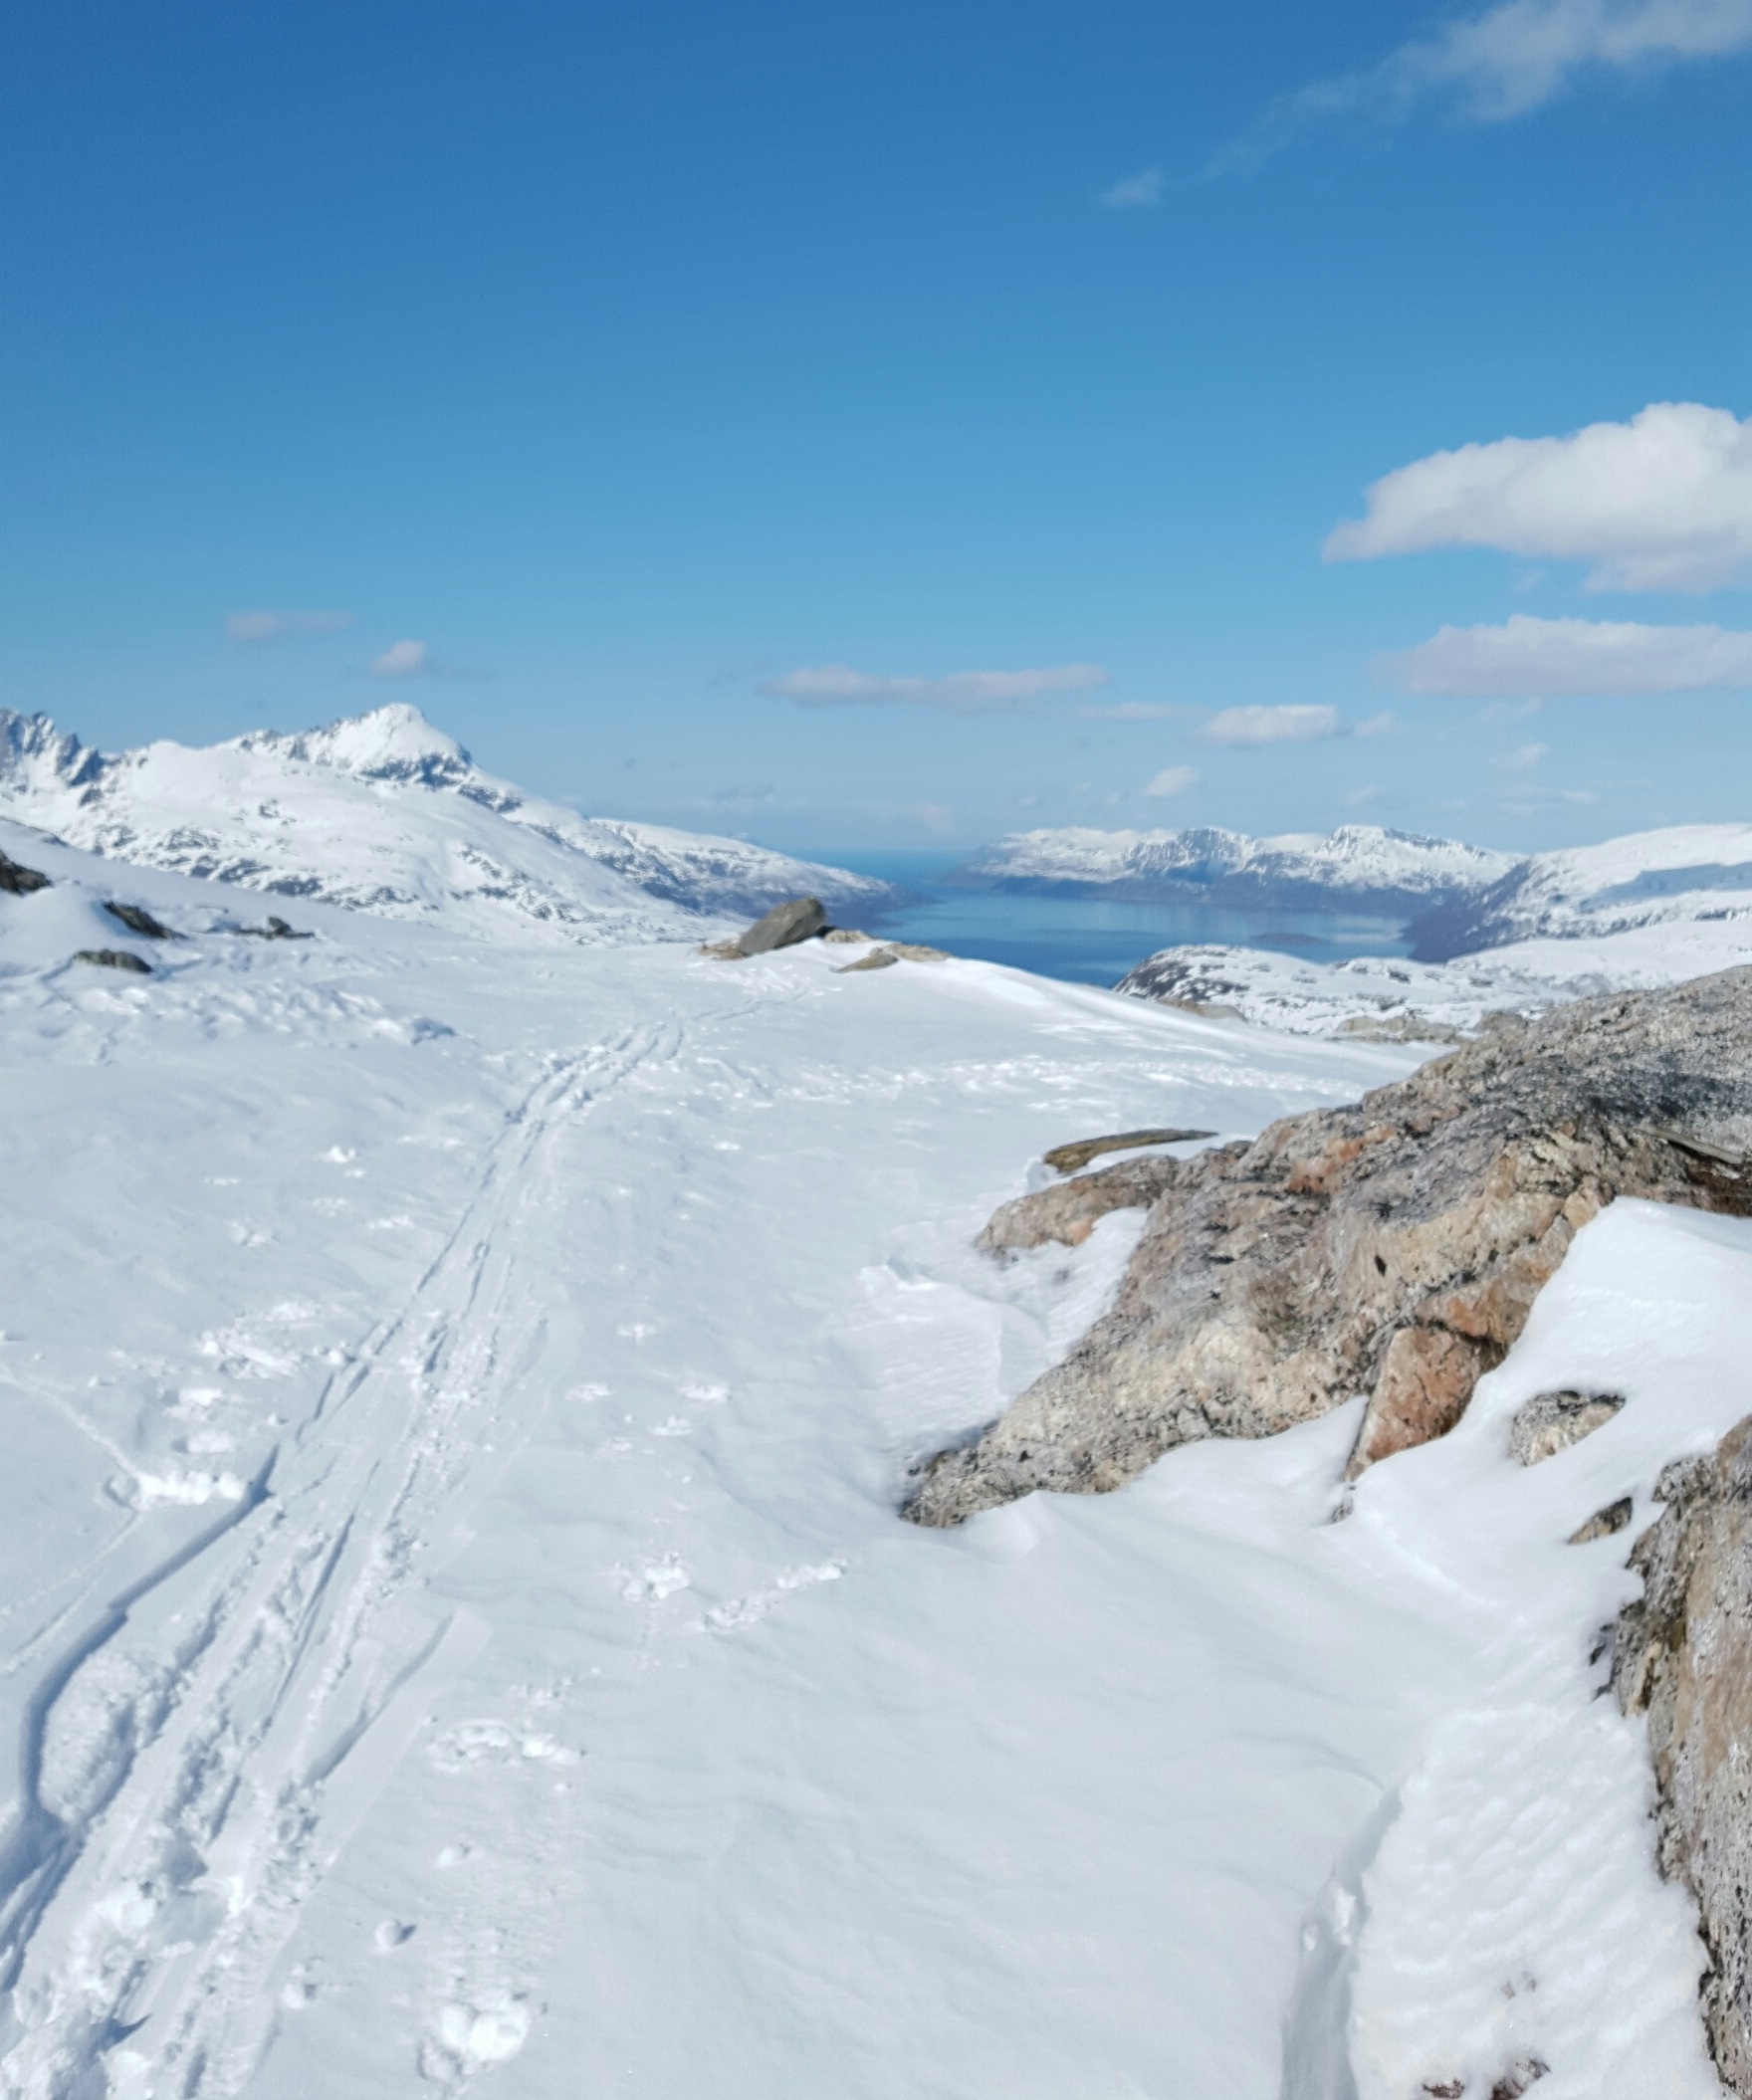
column 1359, row 867
column 1693, row 872
column 386, row 815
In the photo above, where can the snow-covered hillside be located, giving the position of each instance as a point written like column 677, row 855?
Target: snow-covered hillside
column 386, row 814
column 1359, row 867
column 1392, row 998
column 1692, row 872
column 457, row 1633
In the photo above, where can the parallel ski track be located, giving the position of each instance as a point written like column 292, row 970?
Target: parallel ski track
column 151, row 1920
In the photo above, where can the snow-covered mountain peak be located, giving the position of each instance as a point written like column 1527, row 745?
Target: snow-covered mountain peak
column 386, row 814
column 393, row 742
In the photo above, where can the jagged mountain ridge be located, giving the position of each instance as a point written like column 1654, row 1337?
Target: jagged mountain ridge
column 1360, row 867
column 384, row 813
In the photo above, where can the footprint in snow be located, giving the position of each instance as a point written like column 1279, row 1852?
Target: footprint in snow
column 473, row 1743
column 657, row 1581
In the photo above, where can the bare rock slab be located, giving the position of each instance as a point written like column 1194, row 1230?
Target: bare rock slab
column 114, row 959
column 1275, row 1280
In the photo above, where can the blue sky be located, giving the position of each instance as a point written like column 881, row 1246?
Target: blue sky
column 889, row 427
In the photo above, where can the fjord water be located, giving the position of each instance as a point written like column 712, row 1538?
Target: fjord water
column 1093, row 940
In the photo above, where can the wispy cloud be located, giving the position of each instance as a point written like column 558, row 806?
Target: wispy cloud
column 1136, row 192
column 1660, row 503
column 1171, row 780
column 1505, row 63
column 402, row 660
column 960, row 693
column 277, row 626
column 1284, row 724
column 1524, row 758
column 1533, row 657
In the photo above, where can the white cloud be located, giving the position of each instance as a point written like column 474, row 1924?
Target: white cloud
column 1528, row 656
column 1171, row 780
column 402, row 660
column 1288, row 725
column 1513, row 59
column 273, row 626
column 1660, row 503
column 961, row 693
column 1142, row 189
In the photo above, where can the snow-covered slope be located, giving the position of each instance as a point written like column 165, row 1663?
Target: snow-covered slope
column 1392, row 998
column 1692, row 872
column 456, row 1635
column 1358, row 867
column 386, row 814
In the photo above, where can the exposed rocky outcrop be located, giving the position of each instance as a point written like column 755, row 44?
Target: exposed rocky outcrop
column 1682, row 1655
column 1393, row 1248
column 19, row 881
column 114, row 959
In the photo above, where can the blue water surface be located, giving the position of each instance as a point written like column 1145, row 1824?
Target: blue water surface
column 1091, row 940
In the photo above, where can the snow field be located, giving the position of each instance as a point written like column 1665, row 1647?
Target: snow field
column 543, row 1697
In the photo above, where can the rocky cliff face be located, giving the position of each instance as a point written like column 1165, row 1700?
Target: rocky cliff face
column 1683, row 1656
column 1393, row 1248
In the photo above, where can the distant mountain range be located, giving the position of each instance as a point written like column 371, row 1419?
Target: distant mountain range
column 1452, row 898
column 386, row 815
column 1359, row 867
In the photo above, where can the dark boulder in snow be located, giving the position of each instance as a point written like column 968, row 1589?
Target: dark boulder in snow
column 1393, row 1248
column 114, row 959
column 139, row 920
column 19, row 881
column 784, row 926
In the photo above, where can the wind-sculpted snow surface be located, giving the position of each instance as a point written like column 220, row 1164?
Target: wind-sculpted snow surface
column 457, row 1635
column 386, row 815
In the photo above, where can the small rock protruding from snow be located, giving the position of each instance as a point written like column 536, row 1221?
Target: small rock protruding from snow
column 1071, row 1158
column 1551, row 1423
column 139, row 920
column 114, row 959
column 18, row 881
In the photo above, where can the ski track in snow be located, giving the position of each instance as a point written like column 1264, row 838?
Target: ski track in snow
column 267, row 1675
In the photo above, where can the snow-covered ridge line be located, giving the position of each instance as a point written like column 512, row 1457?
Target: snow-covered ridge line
column 383, row 813
column 1359, row 866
